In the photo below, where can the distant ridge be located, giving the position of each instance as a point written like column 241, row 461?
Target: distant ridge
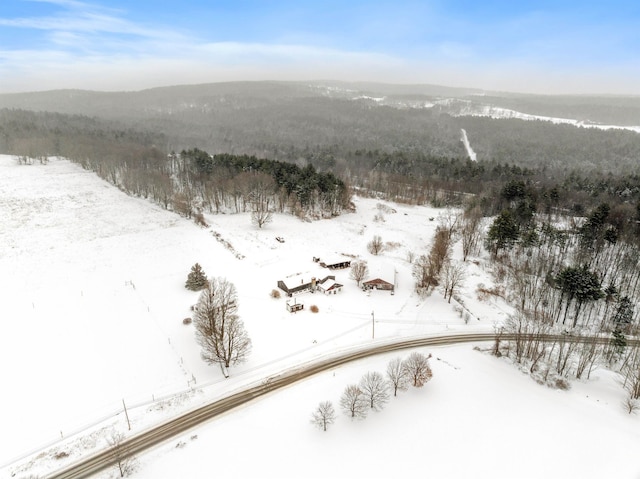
column 326, row 122
column 618, row 110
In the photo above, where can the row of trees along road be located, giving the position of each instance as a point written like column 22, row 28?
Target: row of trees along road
column 373, row 391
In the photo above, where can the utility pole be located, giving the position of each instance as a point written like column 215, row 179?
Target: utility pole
column 126, row 414
column 373, row 326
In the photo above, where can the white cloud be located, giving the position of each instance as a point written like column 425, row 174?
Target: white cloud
column 92, row 47
column 81, row 17
column 231, row 61
column 210, row 62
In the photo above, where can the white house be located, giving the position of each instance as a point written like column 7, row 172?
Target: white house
column 329, row 286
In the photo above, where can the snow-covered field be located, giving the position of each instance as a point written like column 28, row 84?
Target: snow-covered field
column 467, row 108
column 92, row 302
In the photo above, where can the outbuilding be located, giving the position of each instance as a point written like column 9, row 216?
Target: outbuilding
column 378, row 283
column 334, row 263
column 329, row 286
column 294, row 307
column 300, row 284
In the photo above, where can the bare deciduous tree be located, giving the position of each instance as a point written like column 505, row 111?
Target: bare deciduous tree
column 423, row 273
column 261, row 214
column 398, row 375
column 182, row 204
column 375, row 390
column 353, row 402
column 411, row 255
column 161, row 187
column 440, row 250
column 123, row 460
column 499, row 333
column 324, row 415
column 262, row 189
column 418, row 369
column 471, row 232
column 588, row 354
column 359, row 271
column 449, row 221
column 630, row 371
column 452, row 278
column 375, row 246
column 631, row 405
column 219, row 330
column 427, row 269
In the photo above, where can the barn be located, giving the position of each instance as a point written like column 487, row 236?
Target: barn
column 300, row 284
column 378, row 283
column 334, row 263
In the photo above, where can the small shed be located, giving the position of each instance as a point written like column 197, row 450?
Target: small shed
column 295, row 307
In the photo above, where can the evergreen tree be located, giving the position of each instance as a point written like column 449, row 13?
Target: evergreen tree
column 503, row 232
column 623, row 316
column 196, row 280
column 592, row 233
column 579, row 284
column 618, row 344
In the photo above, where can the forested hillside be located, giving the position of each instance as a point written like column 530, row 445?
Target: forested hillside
column 376, row 138
column 310, row 121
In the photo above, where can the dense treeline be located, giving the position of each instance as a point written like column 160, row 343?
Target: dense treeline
column 188, row 182
column 577, row 276
column 240, row 182
column 299, row 122
column 75, row 136
column 137, row 162
column 398, row 170
column 418, row 178
column 414, row 177
column 542, row 144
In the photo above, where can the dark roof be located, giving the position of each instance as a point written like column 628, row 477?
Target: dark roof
column 377, row 281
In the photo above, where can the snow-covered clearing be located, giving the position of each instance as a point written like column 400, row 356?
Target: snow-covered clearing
column 467, row 146
column 468, row 108
column 92, row 305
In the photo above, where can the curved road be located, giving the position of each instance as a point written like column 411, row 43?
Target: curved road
column 165, row 431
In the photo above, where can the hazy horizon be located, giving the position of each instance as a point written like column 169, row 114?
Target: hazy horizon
column 525, row 47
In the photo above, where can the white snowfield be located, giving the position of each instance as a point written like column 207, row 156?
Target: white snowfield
column 467, row 108
column 92, row 300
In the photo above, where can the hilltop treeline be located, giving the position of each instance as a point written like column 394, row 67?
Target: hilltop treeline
column 298, row 122
column 418, row 178
column 189, row 182
column 317, row 176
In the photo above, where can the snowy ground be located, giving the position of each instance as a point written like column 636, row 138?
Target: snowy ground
column 92, row 308
column 477, row 418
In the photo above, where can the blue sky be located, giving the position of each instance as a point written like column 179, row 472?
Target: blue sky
column 539, row 47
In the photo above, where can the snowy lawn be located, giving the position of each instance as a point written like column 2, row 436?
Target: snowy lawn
column 478, row 417
column 92, row 305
